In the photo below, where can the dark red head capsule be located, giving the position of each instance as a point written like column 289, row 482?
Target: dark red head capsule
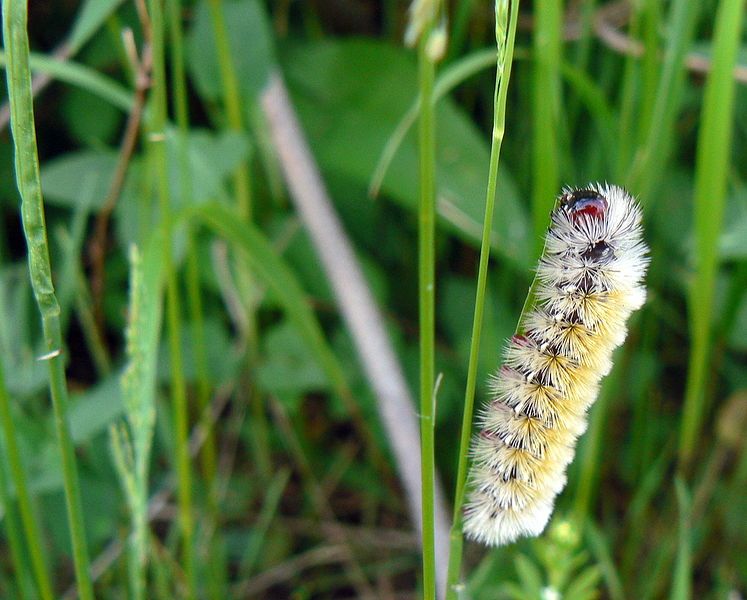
column 584, row 202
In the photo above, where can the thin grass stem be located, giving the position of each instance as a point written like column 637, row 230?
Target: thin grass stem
column 242, row 184
column 505, row 35
column 232, row 99
column 173, row 303
column 40, row 270
column 546, row 110
column 194, row 298
column 426, row 294
column 711, row 169
column 651, row 158
column 12, row 456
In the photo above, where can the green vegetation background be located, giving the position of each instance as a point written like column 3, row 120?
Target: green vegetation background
column 284, row 492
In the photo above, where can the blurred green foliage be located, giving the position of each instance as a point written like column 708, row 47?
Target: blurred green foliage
column 629, row 112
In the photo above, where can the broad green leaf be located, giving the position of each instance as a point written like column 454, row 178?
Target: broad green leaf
column 212, row 158
column 92, row 411
column 90, row 18
column 529, row 575
column 90, row 119
column 350, row 97
column 91, row 170
column 288, row 369
column 250, row 39
column 223, row 362
column 272, row 272
column 24, row 375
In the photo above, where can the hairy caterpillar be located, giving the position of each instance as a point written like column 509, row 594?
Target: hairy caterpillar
column 589, row 281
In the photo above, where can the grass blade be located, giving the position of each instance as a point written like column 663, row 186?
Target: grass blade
column 650, row 159
column 157, row 148
column 505, row 35
column 546, row 110
column 32, row 211
column 712, row 165
column 269, row 269
column 10, row 453
column 682, row 575
column 79, row 76
column 427, row 300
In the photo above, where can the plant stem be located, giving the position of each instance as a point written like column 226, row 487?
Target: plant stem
column 242, row 188
column 194, row 300
column 651, row 158
column 505, row 35
column 711, row 170
column 546, row 111
column 426, row 270
column 32, row 211
column 173, row 304
column 232, row 98
column 30, row 528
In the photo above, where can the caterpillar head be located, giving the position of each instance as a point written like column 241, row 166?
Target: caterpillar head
column 583, row 202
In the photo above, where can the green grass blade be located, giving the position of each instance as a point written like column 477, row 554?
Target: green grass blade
column 588, row 459
column 157, row 148
column 267, row 514
column 682, row 574
column 79, row 76
column 603, row 556
column 651, row 158
column 711, row 170
column 208, row 459
column 270, row 269
column 427, row 301
column 651, row 68
column 91, row 17
column 452, row 76
column 10, row 455
column 232, row 100
column 505, row 36
column 590, row 95
column 627, row 105
column 546, row 111
column 32, row 210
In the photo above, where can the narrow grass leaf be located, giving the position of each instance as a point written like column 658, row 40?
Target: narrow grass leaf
column 682, row 574
column 651, row 158
column 602, row 554
column 268, row 268
column 91, row 16
column 505, row 33
column 79, row 76
column 262, row 525
column 711, row 170
column 546, row 112
column 427, row 290
column 32, row 210
column 10, row 462
column 451, row 77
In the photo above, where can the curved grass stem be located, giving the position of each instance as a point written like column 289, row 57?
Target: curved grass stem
column 505, row 35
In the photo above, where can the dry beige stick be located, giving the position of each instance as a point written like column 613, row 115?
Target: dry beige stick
column 363, row 318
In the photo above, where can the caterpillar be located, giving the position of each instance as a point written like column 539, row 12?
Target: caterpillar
column 588, row 282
